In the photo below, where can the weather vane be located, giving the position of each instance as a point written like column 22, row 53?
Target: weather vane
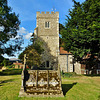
column 54, row 9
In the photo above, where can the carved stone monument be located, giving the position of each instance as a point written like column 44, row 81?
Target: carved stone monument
column 40, row 83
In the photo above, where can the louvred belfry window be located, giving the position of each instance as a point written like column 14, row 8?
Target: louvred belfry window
column 47, row 24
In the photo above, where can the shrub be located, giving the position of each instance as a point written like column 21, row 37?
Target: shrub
column 11, row 72
column 68, row 74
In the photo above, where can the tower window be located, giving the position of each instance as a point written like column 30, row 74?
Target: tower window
column 47, row 63
column 47, row 24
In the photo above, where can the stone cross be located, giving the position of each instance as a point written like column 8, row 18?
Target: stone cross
column 23, row 75
column 24, row 59
column 24, row 62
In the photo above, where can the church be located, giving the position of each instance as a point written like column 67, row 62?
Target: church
column 47, row 31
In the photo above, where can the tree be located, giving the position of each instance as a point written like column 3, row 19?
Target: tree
column 1, row 60
column 9, row 24
column 61, row 27
column 33, row 53
column 81, row 35
column 6, row 62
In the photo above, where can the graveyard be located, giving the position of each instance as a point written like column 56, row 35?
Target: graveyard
column 73, row 87
column 55, row 59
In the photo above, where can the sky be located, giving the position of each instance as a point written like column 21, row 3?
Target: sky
column 27, row 14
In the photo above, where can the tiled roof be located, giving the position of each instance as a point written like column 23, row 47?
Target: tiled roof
column 62, row 51
column 18, row 63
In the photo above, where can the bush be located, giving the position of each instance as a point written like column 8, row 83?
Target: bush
column 10, row 66
column 68, row 74
column 41, row 68
column 11, row 72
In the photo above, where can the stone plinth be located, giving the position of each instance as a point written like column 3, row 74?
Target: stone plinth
column 44, row 83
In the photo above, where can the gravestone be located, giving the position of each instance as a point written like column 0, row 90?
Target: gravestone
column 40, row 83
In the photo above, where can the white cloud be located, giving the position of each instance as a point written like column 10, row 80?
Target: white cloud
column 22, row 30
column 27, row 36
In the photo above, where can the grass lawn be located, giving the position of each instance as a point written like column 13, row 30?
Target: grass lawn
column 74, row 88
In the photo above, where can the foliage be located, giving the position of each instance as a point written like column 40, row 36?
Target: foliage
column 1, row 60
column 11, row 72
column 33, row 53
column 9, row 24
column 82, row 29
column 38, row 46
column 10, row 66
column 6, row 62
column 41, row 68
column 61, row 27
column 69, row 74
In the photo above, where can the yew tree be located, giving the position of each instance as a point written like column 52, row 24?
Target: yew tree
column 81, row 35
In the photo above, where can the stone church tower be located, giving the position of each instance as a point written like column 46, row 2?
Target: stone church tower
column 47, row 30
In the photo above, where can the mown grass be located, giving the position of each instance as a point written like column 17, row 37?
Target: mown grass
column 74, row 88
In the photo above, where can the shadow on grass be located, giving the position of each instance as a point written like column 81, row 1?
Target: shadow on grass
column 67, row 87
column 6, row 81
column 92, row 75
column 99, row 97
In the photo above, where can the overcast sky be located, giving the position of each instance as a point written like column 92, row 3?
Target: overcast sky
column 27, row 13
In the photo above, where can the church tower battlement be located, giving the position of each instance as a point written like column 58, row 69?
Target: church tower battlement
column 52, row 14
column 47, row 24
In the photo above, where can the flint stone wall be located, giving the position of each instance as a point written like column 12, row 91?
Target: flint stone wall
column 66, row 63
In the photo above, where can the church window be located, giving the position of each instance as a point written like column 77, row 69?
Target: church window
column 47, row 63
column 47, row 24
